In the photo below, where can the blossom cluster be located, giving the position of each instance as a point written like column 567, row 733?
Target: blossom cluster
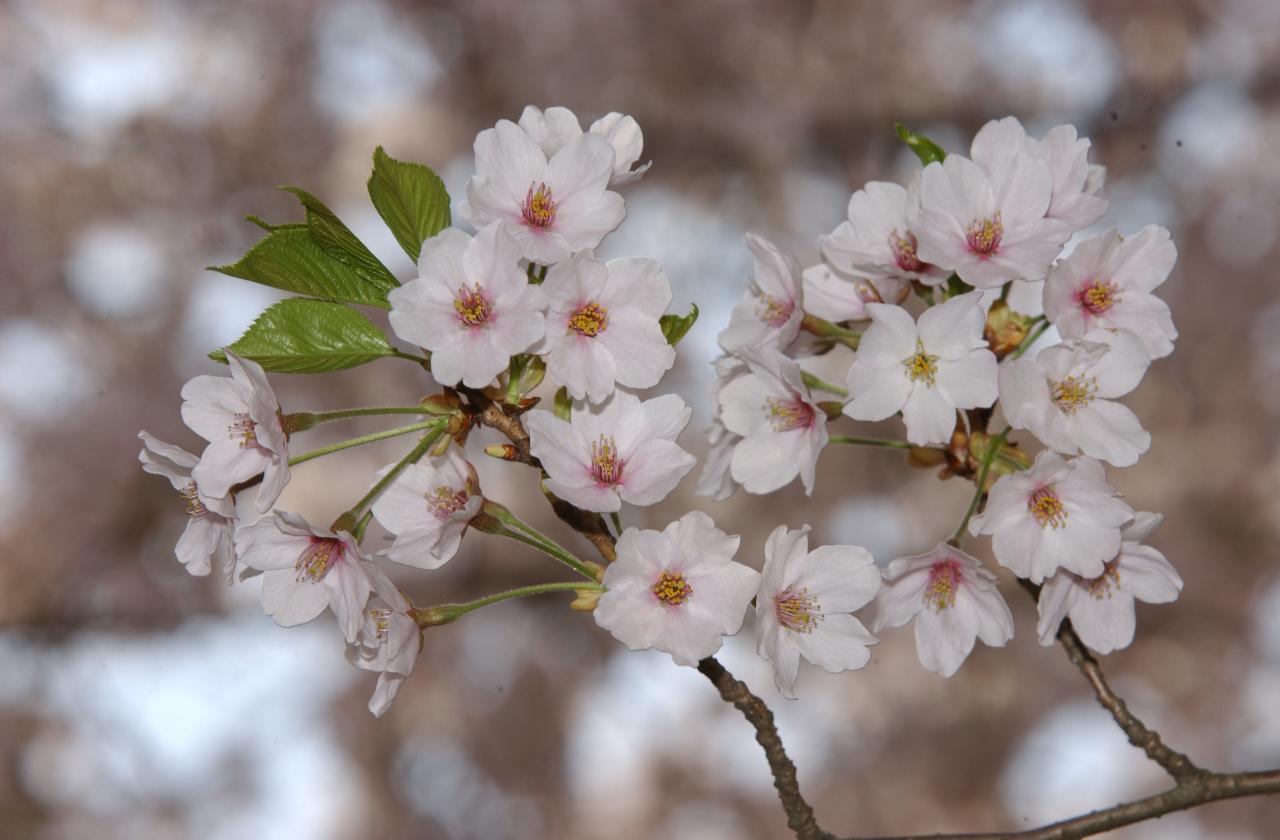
column 915, row 283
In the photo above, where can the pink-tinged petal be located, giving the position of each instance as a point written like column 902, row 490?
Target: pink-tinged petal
column 969, row 381
column 774, row 272
column 420, row 547
column 384, row 692
column 698, row 544
column 952, row 328
column 488, row 200
column 1147, row 575
column 600, row 498
column 586, row 226
column 1023, row 190
column 998, row 142
column 784, row 553
column 1109, row 431
column 646, row 553
column 714, row 480
column 510, row 160
column 348, row 586
column 289, row 601
column 891, row 337
column 176, row 454
column 563, row 451
column 622, row 133
column 274, row 479
column 151, row 464
column 579, row 173
column 202, row 540
column 1104, row 623
column 1056, row 598
column 1024, row 394
column 1146, row 315
column 1017, row 546
column 877, row 392
column 403, row 505
column 942, row 641
column 1122, row 367
column 638, row 348
column 830, row 296
column 226, row 463
column 838, row 643
column 900, row 598
column 781, row 648
column 1143, row 525
column 629, row 619
column 264, row 546
column 210, row 405
column 423, row 314
column 639, row 283
column 653, row 471
column 441, row 261
column 665, row 417
column 765, row 463
column 584, row 366
column 744, row 405
column 929, row 416
column 723, row 596
column 472, row 358
column 1143, row 261
column 994, row 621
column 844, row 578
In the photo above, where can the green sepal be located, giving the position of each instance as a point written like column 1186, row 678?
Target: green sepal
column 674, row 327
column 925, row 149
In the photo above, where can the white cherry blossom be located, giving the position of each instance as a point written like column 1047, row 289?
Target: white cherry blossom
column 677, row 590
column 782, row 427
column 804, row 605
column 1057, row 515
column 554, row 128
column 621, row 451
column 207, row 540
column 1109, row 281
column 1065, row 396
column 428, row 507
column 1076, row 185
column 306, row 569
column 953, row 600
column 716, row 478
column 240, row 417
column 877, row 241
column 834, row 297
column 989, row 228
column 603, row 327
column 1101, row 609
column 389, row 642
column 772, row 309
column 925, row 369
column 471, row 306
column 552, row 205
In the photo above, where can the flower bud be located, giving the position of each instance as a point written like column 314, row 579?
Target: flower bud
column 1005, row 329
column 586, row 600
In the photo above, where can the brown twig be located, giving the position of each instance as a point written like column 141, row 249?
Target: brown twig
column 732, row 690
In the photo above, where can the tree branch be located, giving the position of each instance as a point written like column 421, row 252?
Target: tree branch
column 732, row 690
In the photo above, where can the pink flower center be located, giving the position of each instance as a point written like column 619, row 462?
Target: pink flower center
column 983, row 235
column 243, row 427
column 590, row 319
column 444, row 501
column 788, row 414
column 472, row 306
column 944, row 582
column 1047, row 508
column 672, row 589
column 195, row 507
column 904, row 251
column 796, row 610
column 318, row 558
column 606, row 466
column 775, row 311
column 539, row 207
column 1101, row 586
column 1098, row 296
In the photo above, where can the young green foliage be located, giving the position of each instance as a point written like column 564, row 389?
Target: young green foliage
column 410, row 198
column 301, row 335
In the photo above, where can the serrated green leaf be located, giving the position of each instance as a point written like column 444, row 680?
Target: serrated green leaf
column 674, row 327
column 925, row 149
column 410, row 198
column 301, row 335
column 337, row 240
column 288, row 258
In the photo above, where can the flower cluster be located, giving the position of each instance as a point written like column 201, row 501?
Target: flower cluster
column 914, row 284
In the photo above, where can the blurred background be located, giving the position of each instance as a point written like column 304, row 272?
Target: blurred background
column 139, row 702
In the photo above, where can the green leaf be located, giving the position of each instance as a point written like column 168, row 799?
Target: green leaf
column 337, row 240
column 301, row 335
column 562, row 405
column 674, row 327
column 925, row 149
column 288, row 258
column 410, row 198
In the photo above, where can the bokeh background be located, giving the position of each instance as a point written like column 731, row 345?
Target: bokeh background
column 138, row 702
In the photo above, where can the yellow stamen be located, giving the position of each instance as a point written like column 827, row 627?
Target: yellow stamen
column 922, row 367
column 1101, row 586
column 605, row 465
column 1099, row 296
column 796, row 611
column 1073, row 392
column 1047, row 508
column 318, row 558
column 672, row 589
column 984, row 235
column 590, row 320
column 539, row 208
column 471, row 306
column 944, row 582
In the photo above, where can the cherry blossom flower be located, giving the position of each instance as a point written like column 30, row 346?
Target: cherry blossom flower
column 716, row 479
column 389, row 642
column 428, row 507
column 924, row 369
column 622, row 451
column 552, row 205
column 677, row 590
column 1064, row 396
column 554, row 128
column 772, row 309
column 782, row 427
column 834, row 297
column 602, row 325
column 1101, row 609
column 1058, row 514
column 207, row 539
column 804, row 602
column 306, row 569
column 1108, row 281
column 240, row 417
column 1075, row 200
column 877, row 242
column 989, row 228
column 953, row 600
column 470, row 305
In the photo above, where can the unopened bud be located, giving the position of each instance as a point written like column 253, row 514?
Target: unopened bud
column 442, row 405
column 502, row 451
column 867, row 292
column 925, row 457
column 834, row 410
column 586, row 600
column 299, row 421
column 1005, row 329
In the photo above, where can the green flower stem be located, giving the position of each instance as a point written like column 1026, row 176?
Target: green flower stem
column 428, row 440
column 888, row 444
column 413, row 357
column 1031, row 337
column 818, row 384
column 504, row 523
column 444, row 613
column 360, row 441
column 825, row 329
column 368, row 411
column 993, row 446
